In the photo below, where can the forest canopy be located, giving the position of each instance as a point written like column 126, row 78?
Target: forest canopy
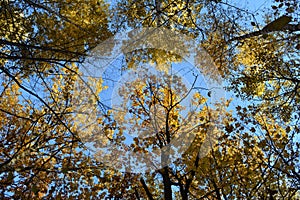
column 187, row 99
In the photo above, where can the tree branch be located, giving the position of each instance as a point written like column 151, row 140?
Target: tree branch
column 149, row 195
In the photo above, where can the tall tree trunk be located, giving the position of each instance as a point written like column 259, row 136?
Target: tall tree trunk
column 167, row 184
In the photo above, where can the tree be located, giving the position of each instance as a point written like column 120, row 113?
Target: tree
column 46, row 102
column 39, row 44
column 155, row 117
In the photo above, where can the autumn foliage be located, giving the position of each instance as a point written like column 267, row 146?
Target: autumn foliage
column 52, row 116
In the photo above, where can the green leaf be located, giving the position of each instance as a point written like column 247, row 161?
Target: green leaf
column 35, row 189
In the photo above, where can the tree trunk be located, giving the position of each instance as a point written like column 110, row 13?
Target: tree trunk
column 167, row 184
